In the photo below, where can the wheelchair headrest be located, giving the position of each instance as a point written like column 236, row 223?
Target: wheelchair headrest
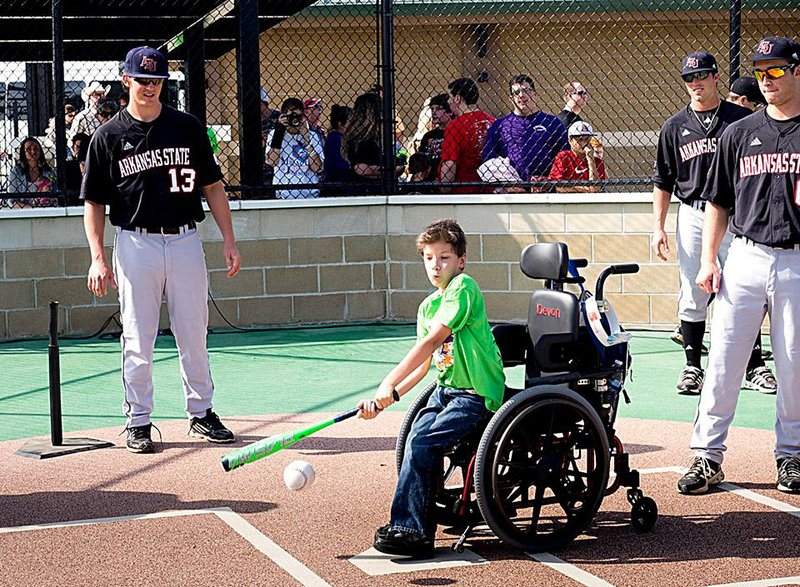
column 545, row 261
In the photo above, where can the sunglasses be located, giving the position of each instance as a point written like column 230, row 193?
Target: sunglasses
column 522, row 91
column 773, row 72
column 580, row 93
column 147, row 81
column 690, row 77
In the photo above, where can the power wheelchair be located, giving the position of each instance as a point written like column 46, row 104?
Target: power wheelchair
column 537, row 473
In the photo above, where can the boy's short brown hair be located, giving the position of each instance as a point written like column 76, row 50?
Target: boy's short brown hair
column 447, row 231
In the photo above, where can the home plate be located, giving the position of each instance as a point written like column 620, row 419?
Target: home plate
column 376, row 563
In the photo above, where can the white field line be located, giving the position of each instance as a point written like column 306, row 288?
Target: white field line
column 569, row 570
column 762, row 499
column 245, row 529
column 114, row 520
column 283, row 559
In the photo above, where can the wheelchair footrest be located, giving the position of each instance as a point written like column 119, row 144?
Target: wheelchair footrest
column 626, row 476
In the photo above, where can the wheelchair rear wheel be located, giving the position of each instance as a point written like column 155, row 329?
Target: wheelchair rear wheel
column 411, row 414
column 542, row 468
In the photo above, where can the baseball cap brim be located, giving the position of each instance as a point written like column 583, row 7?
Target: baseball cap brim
column 148, row 76
column 687, row 71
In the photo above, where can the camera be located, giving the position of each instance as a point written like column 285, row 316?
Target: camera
column 294, row 119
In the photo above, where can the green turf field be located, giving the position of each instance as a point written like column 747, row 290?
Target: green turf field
column 288, row 371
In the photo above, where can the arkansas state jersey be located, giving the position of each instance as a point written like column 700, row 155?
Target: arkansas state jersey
column 686, row 146
column 756, row 174
column 150, row 173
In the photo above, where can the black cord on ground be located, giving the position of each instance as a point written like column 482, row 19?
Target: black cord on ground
column 97, row 334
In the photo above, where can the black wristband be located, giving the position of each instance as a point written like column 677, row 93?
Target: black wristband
column 277, row 136
column 395, row 395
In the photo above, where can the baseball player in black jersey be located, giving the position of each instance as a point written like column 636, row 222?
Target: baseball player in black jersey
column 755, row 183
column 150, row 164
column 686, row 147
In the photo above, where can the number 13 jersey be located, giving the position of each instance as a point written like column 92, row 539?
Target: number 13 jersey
column 150, row 173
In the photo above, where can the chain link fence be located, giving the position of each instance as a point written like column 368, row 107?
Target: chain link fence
column 349, row 97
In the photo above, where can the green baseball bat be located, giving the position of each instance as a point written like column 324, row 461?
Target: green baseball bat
column 272, row 444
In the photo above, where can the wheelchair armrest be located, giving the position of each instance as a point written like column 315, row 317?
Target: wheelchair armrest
column 513, row 342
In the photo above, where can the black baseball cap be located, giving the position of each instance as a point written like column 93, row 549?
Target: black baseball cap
column 698, row 61
column 777, row 48
column 748, row 87
column 145, row 62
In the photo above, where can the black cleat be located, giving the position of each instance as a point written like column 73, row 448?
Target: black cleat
column 402, row 543
column 139, row 439
column 789, row 475
column 701, row 475
column 210, row 428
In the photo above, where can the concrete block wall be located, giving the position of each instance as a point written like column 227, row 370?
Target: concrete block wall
column 604, row 229
column 350, row 259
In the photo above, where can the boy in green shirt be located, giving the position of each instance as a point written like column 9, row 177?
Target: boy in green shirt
column 452, row 331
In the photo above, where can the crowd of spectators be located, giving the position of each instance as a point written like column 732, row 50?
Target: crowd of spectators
column 32, row 173
column 457, row 147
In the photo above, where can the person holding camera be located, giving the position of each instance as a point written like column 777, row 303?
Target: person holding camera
column 295, row 152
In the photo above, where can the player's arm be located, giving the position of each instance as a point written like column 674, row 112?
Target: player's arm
column 369, row 409
column 715, row 223
column 407, row 372
column 660, row 242
column 100, row 273
column 218, row 203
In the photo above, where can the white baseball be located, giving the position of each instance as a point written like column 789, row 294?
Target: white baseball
column 298, row 475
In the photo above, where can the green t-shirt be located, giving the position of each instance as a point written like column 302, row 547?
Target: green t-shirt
column 469, row 358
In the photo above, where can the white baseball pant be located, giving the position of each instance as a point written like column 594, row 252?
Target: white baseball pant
column 147, row 267
column 757, row 280
column 693, row 301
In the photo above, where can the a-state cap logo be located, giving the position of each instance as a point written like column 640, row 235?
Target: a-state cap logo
column 685, row 132
column 755, row 142
column 148, row 63
column 692, row 62
column 765, row 47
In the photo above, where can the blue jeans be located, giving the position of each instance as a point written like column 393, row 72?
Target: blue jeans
column 450, row 416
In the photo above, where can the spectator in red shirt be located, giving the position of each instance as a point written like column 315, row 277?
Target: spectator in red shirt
column 582, row 162
column 464, row 137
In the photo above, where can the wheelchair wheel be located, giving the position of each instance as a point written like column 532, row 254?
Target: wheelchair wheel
column 419, row 402
column 542, row 468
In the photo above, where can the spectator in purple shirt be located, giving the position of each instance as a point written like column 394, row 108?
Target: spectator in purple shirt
column 530, row 138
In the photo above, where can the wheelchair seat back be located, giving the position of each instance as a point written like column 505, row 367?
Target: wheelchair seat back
column 553, row 320
column 545, row 261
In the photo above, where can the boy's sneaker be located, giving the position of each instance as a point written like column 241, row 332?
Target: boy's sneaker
column 382, row 532
column 789, row 475
column 691, row 381
column 210, row 428
column 139, row 439
column 402, row 543
column 701, row 475
column 762, row 380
